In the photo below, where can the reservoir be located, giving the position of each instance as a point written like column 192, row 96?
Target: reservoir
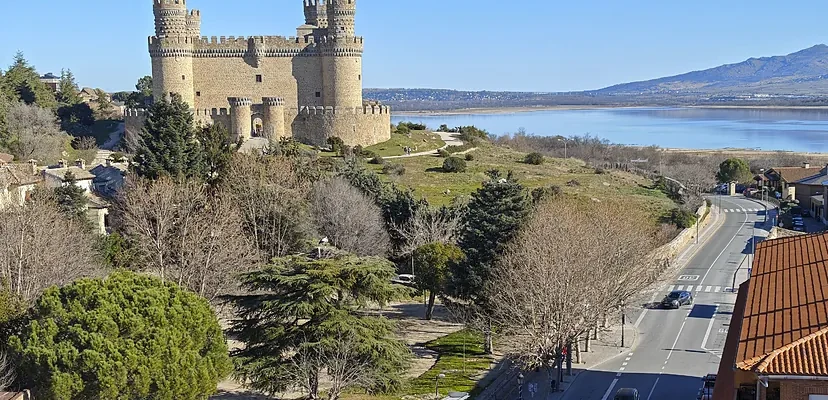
column 688, row 128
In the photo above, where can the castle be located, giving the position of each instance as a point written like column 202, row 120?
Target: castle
column 308, row 87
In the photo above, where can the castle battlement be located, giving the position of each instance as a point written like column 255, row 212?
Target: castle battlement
column 328, row 110
column 169, row 3
column 135, row 112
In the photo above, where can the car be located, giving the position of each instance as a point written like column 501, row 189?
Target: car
column 627, row 394
column 677, row 298
column 404, row 279
column 708, row 383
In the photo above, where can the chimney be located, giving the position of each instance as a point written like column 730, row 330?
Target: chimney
column 80, row 163
column 806, row 165
column 33, row 166
column 108, row 162
column 61, row 163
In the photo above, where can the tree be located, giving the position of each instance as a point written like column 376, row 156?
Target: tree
column 573, row 263
column 350, row 220
column 431, row 225
column 304, row 320
column 33, row 133
column 433, row 263
column 167, row 145
column 125, row 336
column 495, row 214
column 533, row 158
column 40, row 247
column 272, row 199
column 105, row 107
column 733, row 170
column 142, row 97
column 71, row 198
column 217, row 151
column 22, row 83
column 454, row 164
column 68, row 90
column 184, row 234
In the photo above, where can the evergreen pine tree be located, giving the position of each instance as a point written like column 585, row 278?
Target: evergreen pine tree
column 23, row 84
column 302, row 316
column 75, row 115
column 495, row 214
column 71, row 198
column 167, row 145
column 68, row 91
column 217, row 151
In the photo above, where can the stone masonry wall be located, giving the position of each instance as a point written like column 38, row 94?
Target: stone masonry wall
column 355, row 126
column 800, row 390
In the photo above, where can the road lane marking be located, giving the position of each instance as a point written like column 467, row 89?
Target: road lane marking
column 717, row 289
column 673, row 347
column 653, row 389
column 709, row 328
column 690, row 288
column 624, row 364
column 708, row 289
column 679, row 287
column 725, row 248
column 618, row 374
column 622, row 368
column 612, row 386
column 671, row 288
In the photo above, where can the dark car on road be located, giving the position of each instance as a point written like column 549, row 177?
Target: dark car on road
column 627, row 394
column 677, row 298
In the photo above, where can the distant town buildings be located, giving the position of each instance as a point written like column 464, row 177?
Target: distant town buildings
column 51, row 81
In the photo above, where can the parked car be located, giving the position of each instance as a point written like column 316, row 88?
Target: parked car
column 404, row 279
column 677, row 298
column 798, row 224
column 627, row 394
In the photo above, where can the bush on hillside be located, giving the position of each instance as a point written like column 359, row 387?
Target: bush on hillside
column 443, row 153
column 393, row 169
column 127, row 336
column 469, row 157
column 682, row 219
column 454, row 164
column 336, row 144
column 377, row 160
column 533, row 158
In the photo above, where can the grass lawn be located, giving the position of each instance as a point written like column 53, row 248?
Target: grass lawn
column 102, row 128
column 419, row 140
column 424, row 175
column 462, row 370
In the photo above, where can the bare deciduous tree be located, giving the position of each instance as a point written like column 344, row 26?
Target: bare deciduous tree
column 7, row 375
column 34, row 133
column 40, row 247
column 429, row 225
column 272, row 200
column 186, row 234
column 573, row 263
column 350, row 219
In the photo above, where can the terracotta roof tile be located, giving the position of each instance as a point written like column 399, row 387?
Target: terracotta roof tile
column 783, row 329
column 795, row 174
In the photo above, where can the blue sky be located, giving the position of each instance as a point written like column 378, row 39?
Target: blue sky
column 523, row 45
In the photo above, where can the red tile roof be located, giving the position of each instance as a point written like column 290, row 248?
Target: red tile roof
column 794, row 174
column 786, row 315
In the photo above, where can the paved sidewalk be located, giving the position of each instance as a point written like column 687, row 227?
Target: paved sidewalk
column 606, row 348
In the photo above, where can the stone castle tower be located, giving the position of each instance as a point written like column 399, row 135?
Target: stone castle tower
column 307, row 86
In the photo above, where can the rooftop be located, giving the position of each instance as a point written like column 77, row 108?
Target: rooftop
column 783, row 329
column 796, row 174
column 60, row 173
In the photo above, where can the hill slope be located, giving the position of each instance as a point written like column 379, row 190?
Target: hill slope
column 803, row 72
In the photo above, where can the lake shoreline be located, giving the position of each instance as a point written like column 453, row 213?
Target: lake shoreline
column 515, row 110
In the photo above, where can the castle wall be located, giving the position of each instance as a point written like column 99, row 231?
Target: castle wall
column 295, row 79
column 356, row 126
column 342, row 81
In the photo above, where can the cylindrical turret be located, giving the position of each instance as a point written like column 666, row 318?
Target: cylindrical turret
column 273, row 110
column 194, row 23
column 170, row 17
column 341, row 17
column 342, row 72
column 241, row 118
column 172, row 67
column 316, row 13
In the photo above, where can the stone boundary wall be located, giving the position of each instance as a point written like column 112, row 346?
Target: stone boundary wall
column 679, row 243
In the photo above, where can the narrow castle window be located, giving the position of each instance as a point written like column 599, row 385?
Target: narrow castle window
column 360, row 76
column 259, row 78
column 318, row 94
column 183, row 78
column 198, row 94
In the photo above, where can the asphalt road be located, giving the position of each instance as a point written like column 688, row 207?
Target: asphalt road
column 676, row 348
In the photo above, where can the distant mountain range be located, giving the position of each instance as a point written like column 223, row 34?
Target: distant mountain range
column 797, row 79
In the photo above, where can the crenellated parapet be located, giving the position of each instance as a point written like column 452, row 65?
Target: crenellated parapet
column 135, row 113
column 194, row 23
column 329, row 110
column 273, row 101
column 240, row 101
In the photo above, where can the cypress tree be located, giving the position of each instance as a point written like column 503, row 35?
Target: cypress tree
column 71, row 198
column 167, row 145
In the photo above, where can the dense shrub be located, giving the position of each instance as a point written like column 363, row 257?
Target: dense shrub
column 534, row 159
column 443, row 153
column 413, row 126
column 601, row 171
column 544, row 193
column 458, row 149
column 393, row 169
column 377, row 160
column 127, row 336
column 336, row 144
column 682, row 219
column 454, row 164
column 402, row 130
column 469, row 157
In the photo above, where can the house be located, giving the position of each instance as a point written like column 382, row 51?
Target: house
column 51, row 81
column 17, row 181
column 24, row 395
column 89, row 95
column 6, row 159
column 778, row 336
column 109, row 177
column 56, row 177
column 800, row 183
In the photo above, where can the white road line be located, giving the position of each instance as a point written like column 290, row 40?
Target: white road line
column 724, row 249
column 708, row 289
column 673, row 347
column 624, row 364
column 671, row 288
column 618, row 374
column 709, row 328
column 612, row 386
column 690, row 288
column 653, row 389
column 717, row 289
column 679, row 287
column 622, row 368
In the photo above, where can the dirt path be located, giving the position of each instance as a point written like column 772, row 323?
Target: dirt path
column 450, row 139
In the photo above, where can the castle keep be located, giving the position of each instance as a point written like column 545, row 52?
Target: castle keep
column 308, row 87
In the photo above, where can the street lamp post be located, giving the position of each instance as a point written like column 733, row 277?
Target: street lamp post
column 520, row 386
column 437, row 385
column 623, row 322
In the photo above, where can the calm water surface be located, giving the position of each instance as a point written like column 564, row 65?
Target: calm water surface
column 691, row 128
